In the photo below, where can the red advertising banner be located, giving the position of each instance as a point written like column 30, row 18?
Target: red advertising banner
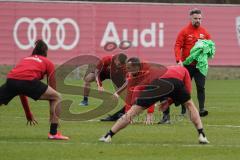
column 73, row 29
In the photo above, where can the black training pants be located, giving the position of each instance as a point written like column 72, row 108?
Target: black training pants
column 200, row 84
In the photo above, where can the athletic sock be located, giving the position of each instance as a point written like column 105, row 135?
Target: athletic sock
column 200, row 131
column 85, row 98
column 167, row 111
column 53, row 128
column 110, row 132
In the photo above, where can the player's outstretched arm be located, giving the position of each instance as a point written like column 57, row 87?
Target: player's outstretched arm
column 124, row 86
column 29, row 116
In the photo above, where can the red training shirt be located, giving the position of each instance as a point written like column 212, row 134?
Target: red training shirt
column 34, row 67
column 181, row 73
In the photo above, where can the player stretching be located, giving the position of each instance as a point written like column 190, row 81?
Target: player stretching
column 24, row 80
column 158, row 89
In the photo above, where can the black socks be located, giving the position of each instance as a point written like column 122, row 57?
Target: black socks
column 109, row 133
column 85, row 98
column 53, row 128
column 200, row 131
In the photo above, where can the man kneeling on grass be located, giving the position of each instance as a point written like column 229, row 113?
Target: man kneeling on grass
column 158, row 90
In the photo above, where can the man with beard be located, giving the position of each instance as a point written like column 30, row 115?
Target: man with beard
column 186, row 39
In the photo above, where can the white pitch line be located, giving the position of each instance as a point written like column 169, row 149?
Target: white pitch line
column 124, row 144
column 42, row 118
column 227, row 126
column 97, row 120
column 44, row 142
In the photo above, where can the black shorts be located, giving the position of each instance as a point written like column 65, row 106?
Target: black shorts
column 160, row 89
column 104, row 75
column 13, row 87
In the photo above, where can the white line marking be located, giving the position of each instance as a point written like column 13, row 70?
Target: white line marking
column 97, row 120
column 123, row 144
column 227, row 125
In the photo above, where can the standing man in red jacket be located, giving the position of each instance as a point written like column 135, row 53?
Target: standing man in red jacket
column 186, row 39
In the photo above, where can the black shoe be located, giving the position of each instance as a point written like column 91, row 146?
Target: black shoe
column 112, row 117
column 183, row 112
column 115, row 116
column 165, row 119
column 203, row 113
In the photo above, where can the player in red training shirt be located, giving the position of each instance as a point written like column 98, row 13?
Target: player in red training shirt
column 105, row 69
column 157, row 90
column 134, row 83
column 24, row 80
column 182, row 74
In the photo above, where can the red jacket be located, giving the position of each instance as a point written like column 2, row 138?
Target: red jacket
column 186, row 39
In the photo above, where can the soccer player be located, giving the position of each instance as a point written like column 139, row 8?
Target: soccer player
column 108, row 68
column 24, row 80
column 140, row 77
column 181, row 74
column 158, row 89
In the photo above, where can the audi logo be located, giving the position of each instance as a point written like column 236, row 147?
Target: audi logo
column 46, row 32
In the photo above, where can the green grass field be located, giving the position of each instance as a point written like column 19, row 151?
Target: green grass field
column 177, row 141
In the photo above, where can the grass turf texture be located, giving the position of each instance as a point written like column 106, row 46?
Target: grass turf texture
column 177, row 141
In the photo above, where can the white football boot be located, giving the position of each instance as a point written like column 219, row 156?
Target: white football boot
column 202, row 139
column 107, row 139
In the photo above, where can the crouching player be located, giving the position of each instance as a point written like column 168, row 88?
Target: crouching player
column 24, row 80
column 158, row 90
column 105, row 69
column 134, row 78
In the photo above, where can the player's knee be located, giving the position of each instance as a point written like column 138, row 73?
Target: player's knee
column 59, row 96
column 127, row 118
column 188, row 104
column 86, row 80
column 89, row 78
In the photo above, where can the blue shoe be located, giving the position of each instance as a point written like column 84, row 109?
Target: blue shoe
column 83, row 103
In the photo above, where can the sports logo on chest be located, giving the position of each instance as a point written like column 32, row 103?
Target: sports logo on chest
column 201, row 36
column 190, row 37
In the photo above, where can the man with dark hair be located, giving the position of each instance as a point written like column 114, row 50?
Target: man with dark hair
column 138, row 74
column 105, row 69
column 186, row 39
column 24, row 80
column 195, row 11
column 152, row 89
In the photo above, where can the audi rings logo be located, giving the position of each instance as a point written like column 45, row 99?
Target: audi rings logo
column 46, row 33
